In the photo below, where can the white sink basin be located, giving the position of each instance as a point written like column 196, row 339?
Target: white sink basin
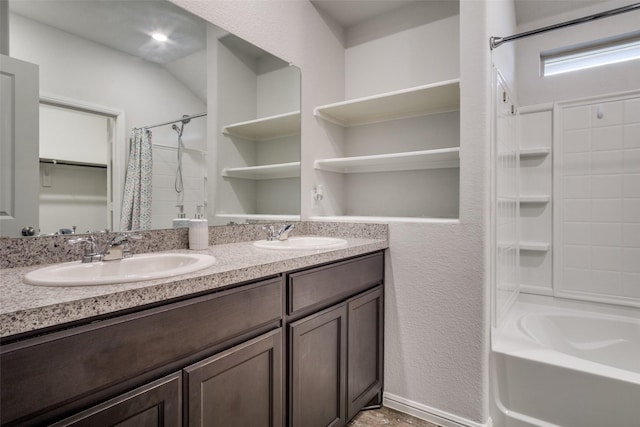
column 134, row 269
column 303, row 243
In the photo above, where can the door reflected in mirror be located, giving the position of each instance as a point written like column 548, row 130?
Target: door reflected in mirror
column 98, row 61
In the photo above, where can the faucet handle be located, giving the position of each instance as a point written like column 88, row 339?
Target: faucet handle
column 90, row 248
column 271, row 232
column 125, row 238
column 283, row 233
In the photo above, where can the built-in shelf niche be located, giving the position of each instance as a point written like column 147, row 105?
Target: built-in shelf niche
column 427, row 193
column 276, row 171
column 414, row 160
column 258, row 217
column 266, row 128
column 417, row 101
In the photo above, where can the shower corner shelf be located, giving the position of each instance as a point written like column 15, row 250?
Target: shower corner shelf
column 417, row 101
column 534, row 246
column 406, row 161
column 537, row 199
column 534, row 152
column 277, row 126
column 275, row 171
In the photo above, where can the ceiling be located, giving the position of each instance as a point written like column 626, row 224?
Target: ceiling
column 348, row 13
column 528, row 11
column 123, row 25
column 127, row 25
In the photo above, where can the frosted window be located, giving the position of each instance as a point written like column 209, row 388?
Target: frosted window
column 595, row 56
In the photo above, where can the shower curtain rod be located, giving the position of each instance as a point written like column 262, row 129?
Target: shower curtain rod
column 195, row 116
column 494, row 41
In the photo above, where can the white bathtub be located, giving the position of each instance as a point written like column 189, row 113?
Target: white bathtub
column 569, row 364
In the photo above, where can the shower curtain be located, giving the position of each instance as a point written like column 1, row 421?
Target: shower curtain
column 136, row 200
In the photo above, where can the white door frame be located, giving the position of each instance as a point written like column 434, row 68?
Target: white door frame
column 116, row 167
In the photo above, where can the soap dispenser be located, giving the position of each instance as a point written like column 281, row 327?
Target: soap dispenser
column 181, row 221
column 199, row 231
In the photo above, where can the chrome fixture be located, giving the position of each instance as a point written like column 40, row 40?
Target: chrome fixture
column 113, row 249
column 495, row 41
column 282, row 234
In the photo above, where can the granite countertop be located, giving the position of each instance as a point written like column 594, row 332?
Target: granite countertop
column 25, row 308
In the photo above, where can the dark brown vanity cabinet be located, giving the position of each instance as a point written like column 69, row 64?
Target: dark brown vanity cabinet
column 335, row 354
column 153, row 405
column 57, row 375
column 238, row 388
column 311, row 339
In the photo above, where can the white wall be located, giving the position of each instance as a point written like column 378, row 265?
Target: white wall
column 533, row 89
column 437, row 336
column 295, row 32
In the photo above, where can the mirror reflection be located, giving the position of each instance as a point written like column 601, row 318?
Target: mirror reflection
column 135, row 129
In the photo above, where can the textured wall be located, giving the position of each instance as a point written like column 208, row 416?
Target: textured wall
column 437, row 298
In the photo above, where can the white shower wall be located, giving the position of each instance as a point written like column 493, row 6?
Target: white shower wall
column 585, row 252
column 597, row 185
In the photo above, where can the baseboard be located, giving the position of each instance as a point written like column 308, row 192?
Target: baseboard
column 427, row 413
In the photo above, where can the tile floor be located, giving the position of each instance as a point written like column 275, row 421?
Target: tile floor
column 388, row 418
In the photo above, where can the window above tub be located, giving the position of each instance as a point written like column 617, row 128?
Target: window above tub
column 589, row 55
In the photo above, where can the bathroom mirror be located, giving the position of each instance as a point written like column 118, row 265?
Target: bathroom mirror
column 102, row 76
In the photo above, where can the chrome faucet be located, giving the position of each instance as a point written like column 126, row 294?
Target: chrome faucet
column 281, row 234
column 113, row 249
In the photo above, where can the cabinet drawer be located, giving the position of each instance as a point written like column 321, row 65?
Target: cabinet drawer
column 322, row 286
column 59, row 371
column 152, row 405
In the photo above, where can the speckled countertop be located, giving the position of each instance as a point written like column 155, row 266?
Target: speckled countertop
column 26, row 308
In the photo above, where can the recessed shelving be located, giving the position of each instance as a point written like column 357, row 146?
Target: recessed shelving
column 384, row 219
column 276, row 171
column 534, row 152
column 266, row 128
column 417, row 101
column 259, row 217
column 413, row 160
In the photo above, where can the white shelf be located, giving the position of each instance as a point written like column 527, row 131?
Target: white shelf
column 413, row 160
column 277, row 171
column 260, row 217
column 266, row 128
column 539, row 199
column 418, row 101
column 384, row 219
column 535, row 246
column 534, row 152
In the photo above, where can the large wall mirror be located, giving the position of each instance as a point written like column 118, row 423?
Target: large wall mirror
column 218, row 117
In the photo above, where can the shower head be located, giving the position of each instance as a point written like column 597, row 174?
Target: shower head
column 177, row 129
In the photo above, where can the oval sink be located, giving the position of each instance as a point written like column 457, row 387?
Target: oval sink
column 304, row 243
column 134, row 269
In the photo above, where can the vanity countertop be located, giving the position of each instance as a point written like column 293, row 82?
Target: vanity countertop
column 25, row 308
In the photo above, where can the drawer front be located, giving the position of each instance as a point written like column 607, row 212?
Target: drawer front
column 44, row 373
column 322, row 286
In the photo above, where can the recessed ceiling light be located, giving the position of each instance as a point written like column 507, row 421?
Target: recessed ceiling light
column 160, row 37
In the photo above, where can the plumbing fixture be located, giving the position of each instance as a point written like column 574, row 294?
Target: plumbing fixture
column 281, row 234
column 113, row 249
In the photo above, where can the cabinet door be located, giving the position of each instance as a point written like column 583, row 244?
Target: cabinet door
column 317, row 354
column 238, row 387
column 365, row 340
column 157, row 404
